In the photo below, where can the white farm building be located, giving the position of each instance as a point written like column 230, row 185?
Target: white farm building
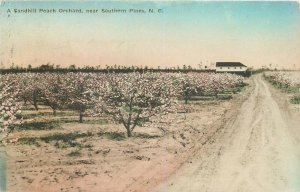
column 231, row 67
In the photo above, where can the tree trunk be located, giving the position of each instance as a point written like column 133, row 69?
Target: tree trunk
column 35, row 105
column 54, row 112
column 80, row 117
column 185, row 100
column 129, row 133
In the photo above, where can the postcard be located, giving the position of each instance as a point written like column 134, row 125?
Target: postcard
column 149, row 96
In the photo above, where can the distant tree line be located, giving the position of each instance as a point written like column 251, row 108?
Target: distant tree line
column 107, row 69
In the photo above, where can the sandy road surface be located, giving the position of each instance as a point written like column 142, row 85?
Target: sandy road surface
column 258, row 150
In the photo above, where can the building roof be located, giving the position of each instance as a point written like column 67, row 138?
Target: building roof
column 230, row 64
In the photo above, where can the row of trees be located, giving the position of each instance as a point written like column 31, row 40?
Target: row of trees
column 106, row 69
column 128, row 99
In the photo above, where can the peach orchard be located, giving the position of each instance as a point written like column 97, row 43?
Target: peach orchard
column 126, row 98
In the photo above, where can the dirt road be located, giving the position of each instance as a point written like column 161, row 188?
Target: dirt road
column 258, row 150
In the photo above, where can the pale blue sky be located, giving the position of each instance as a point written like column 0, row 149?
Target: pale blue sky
column 255, row 33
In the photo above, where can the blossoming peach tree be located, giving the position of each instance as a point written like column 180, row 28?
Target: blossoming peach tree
column 31, row 86
column 131, row 99
column 9, row 108
column 55, row 93
column 78, row 88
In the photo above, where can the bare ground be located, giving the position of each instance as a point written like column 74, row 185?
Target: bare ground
column 258, row 150
column 109, row 165
column 249, row 143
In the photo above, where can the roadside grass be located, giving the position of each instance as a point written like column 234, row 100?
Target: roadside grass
column 283, row 87
column 295, row 99
column 295, row 90
column 292, row 89
column 286, row 89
